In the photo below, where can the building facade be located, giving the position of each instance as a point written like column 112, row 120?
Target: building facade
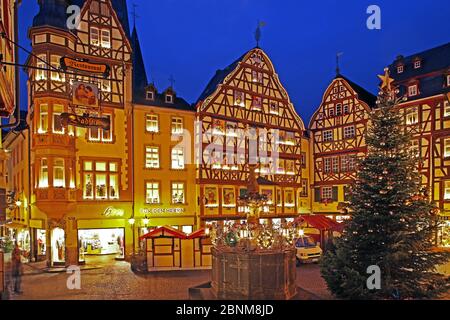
column 424, row 80
column 81, row 174
column 337, row 130
column 246, row 119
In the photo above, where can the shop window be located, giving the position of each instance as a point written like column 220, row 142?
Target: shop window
column 152, row 193
column 328, row 135
column 41, row 64
column 55, row 62
column 447, row 148
column 178, row 193
column 177, row 158
column 57, row 124
column 101, row 180
column 101, row 242
column 43, row 118
column 41, row 237
column 152, row 123
column 177, row 125
column 151, row 157
column 349, row 132
column 43, row 178
column 447, row 190
column 58, row 246
column 58, row 173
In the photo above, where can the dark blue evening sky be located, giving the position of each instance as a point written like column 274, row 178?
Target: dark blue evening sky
column 191, row 39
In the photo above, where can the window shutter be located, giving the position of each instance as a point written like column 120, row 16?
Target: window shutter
column 335, row 194
column 317, row 195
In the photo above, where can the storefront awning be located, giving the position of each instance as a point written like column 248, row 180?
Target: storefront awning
column 165, row 231
column 320, row 222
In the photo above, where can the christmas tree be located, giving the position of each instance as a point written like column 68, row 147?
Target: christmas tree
column 393, row 220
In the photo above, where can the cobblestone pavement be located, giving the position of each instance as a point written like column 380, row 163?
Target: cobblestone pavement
column 116, row 281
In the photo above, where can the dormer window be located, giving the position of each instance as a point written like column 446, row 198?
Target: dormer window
column 400, row 68
column 169, row 98
column 413, row 90
column 417, row 64
column 448, row 80
column 150, row 95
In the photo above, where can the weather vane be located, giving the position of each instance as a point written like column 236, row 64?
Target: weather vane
column 338, row 69
column 258, row 32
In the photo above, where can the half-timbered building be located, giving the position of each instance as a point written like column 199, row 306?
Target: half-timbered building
column 337, row 130
column 80, row 171
column 423, row 79
column 246, row 118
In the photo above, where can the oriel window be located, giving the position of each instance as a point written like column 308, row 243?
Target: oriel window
column 43, row 118
column 58, row 173
column 57, row 124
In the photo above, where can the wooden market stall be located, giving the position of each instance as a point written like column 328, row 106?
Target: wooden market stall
column 320, row 228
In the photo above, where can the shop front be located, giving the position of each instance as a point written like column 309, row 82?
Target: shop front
column 101, row 242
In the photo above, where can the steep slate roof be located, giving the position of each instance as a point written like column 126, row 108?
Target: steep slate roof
column 220, row 75
column 53, row 13
column 432, row 60
column 363, row 94
column 140, row 82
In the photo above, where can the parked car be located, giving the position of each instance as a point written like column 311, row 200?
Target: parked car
column 307, row 250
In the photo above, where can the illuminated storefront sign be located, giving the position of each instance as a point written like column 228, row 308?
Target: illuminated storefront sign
column 85, row 66
column 113, row 212
column 162, row 210
column 85, row 121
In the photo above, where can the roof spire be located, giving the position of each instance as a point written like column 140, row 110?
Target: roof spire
column 338, row 69
column 258, row 32
column 134, row 14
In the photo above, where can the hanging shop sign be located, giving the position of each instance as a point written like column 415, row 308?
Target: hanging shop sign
column 162, row 210
column 85, row 121
column 113, row 212
column 85, row 94
column 85, row 66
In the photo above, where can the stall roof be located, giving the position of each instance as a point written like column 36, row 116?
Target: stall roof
column 200, row 233
column 321, row 222
column 165, row 231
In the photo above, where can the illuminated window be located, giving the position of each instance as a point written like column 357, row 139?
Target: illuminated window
column 58, row 173
column 100, row 134
column 257, row 103
column 327, row 193
column 95, row 36
column 447, row 190
column 400, row 69
column 412, row 90
column 177, row 193
column 57, row 124
column 280, row 166
column 177, row 125
column 239, row 99
column 446, row 108
column 43, row 178
column 327, row 135
column 273, row 108
column 412, row 118
column 152, row 123
column 152, row 192
column 151, row 157
column 100, row 180
column 55, row 62
column 43, row 118
column 349, row 132
column 257, row 77
column 41, row 64
column 106, row 38
column 177, row 158
column 447, row 148
column 105, row 85
column 327, row 165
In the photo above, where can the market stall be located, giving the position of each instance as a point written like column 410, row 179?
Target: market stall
column 320, row 228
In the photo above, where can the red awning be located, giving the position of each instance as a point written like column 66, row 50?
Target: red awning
column 164, row 232
column 320, row 222
column 200, row 233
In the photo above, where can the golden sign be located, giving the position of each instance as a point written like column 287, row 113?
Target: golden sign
column 85, row 66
